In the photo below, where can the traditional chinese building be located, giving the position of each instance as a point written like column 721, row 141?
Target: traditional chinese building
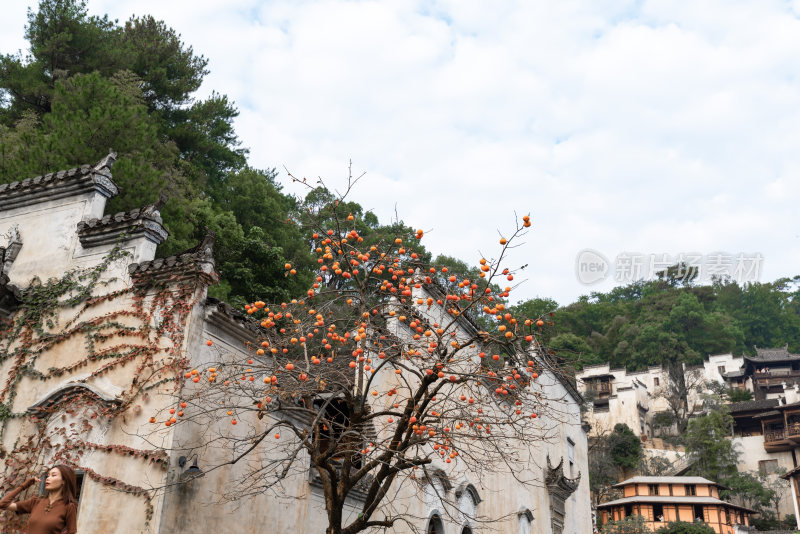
column 96, row 334
column 768, row 372
column 660, row 500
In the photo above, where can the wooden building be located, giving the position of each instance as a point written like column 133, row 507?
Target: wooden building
column 660, row 500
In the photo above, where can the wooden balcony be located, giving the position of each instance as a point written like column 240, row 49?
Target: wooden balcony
column 782, row 440
column 775, row 378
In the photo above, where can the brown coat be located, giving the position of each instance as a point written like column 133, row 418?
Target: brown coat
column 46, row 518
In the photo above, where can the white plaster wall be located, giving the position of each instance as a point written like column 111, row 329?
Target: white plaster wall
column 297, row 507
column 752, row 451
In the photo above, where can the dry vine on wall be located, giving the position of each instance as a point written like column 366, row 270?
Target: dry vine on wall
column 145, row 329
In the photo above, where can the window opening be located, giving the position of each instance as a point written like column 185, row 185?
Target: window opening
column 658, row 512
column 435, row 525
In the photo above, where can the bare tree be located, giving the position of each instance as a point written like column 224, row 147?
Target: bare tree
column 683, row 393
column 379, row 376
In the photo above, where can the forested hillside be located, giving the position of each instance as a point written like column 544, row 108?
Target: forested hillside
column 668, row 320
column 91, row 84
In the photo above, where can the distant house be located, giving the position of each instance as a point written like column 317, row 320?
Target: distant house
column 660, row 500
column 769, row 372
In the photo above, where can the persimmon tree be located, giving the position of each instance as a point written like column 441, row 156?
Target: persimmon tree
column 378, row 376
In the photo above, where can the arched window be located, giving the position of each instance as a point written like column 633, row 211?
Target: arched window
column 467, row 502
column 524, row 520
column 466, row 530
column 435, row 490
column 435, row 525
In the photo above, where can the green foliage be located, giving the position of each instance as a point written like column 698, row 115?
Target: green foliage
column 5, row 412
column 573, row 349
column 609, row 456
column 625, row 447
column 746, row 489
column 669, row 321
column 90, row 85
column 739, row 395
column 663, row 419
column 714, row 456
column 633, row 524
column 682, row 527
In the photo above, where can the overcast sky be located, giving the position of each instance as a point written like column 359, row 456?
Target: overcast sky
column 649, row 127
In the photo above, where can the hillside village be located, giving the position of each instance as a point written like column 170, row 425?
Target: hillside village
column 209, row 350
column 53, row 385
column 764, row 430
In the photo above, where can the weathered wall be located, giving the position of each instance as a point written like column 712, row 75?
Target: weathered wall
column 298, row 506
column 80, row 381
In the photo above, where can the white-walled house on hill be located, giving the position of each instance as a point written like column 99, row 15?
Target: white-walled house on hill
column 635, row 397
column 766, row 430
column 101, row 347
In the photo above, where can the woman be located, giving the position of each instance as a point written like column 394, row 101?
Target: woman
column 54, row 514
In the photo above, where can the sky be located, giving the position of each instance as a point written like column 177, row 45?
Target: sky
column 634, row 133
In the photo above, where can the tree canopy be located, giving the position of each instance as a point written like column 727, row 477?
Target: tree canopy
column 665, row 322
column 377, row 374
column 89, row 85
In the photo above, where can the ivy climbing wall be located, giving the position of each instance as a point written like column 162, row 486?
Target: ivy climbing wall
column 92, row 341
column 82, row 366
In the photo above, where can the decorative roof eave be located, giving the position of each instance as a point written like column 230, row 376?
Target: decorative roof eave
column 464, row 319
column 61, row 184
column 10, row 295
column 557, row 482
column 70, row 391
column 770, row 413
column 772, row 355
column 592, row 377
column 788, row 475
column 734, row 374
column 436, row 473
column 753, row 405
column 195, row 265
column 231, row 321
column 142, row 222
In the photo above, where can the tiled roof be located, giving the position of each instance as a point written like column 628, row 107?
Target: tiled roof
column 734, row 374
column 665, row 480
column 773, row 355
column 144, row 221
column 198, row 261
column 746, row 406
column 669, row 499
column 60, row 184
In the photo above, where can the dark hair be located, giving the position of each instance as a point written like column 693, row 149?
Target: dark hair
column 70, row 486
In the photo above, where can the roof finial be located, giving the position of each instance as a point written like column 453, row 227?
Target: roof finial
column 162, row 200
column 107, row 161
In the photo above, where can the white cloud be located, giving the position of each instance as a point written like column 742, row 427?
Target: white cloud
column 621, row 126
